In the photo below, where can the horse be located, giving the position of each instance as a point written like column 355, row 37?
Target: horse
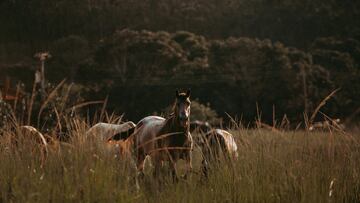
column 214, row 144
column 42, row 141
column 38, row 136
column 165, row 139
column 114, row 135
column 107, row 131
column 223, row 138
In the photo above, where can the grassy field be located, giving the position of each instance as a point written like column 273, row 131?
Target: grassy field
column 272, row 167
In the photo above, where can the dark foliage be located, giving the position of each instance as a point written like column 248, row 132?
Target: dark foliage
column 233, row 54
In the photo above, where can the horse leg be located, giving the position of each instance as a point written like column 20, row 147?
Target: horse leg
column 140, row 169
column 140, row 163
column 174, row 172
column 189, row 167
column 205, row 168
column 157, row 169
column 172, row 158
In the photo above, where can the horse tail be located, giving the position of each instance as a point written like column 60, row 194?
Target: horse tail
column 123, row 135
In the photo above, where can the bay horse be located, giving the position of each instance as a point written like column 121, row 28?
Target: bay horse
column 165, row 139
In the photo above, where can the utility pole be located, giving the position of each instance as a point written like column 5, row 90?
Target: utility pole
column 303, row 72
column 42, row 56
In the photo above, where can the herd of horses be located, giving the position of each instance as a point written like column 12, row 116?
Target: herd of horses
column 165, row 140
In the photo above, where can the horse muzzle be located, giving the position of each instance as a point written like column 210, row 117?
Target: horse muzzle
column 183, row 120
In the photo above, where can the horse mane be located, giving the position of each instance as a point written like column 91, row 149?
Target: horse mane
column 172, row 113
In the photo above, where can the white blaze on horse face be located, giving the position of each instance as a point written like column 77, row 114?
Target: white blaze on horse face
column 184, row 112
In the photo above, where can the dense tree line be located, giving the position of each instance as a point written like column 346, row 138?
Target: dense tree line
column 278, row 55
column 233, row 74
column 140, row 70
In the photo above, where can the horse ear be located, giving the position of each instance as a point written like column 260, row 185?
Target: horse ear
column 188, row 93
column 177, row 93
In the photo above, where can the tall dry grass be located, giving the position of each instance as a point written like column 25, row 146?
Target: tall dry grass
column 272, row 167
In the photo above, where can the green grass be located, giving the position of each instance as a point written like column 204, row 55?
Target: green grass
column 272, row 167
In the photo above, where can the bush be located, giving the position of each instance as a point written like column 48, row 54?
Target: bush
column 204, row 112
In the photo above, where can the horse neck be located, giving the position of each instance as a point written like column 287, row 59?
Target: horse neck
column 172, row 125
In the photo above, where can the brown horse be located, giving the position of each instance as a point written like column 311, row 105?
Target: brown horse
column 165, row 139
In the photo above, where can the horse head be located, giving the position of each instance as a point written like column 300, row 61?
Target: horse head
column 182, row 108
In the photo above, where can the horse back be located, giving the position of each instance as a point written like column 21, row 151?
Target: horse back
column 224, row 140
column 147, row 130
